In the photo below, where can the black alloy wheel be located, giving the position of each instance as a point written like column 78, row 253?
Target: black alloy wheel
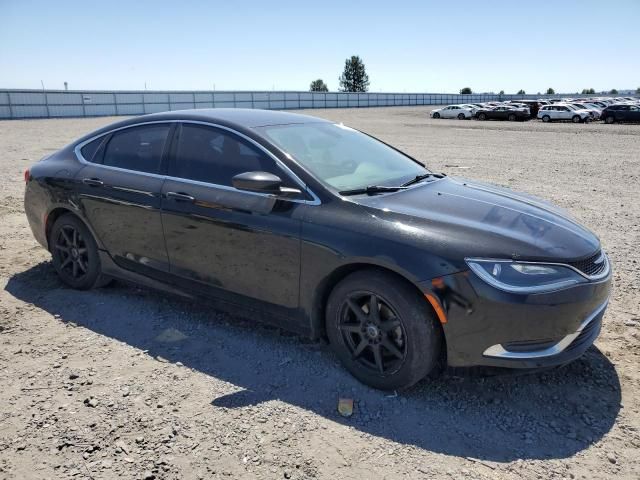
column 73, row 250
column 482, row 116
column 512, row 117
column 75, row 254
column 373, row 333
column 382, row 329
column 436, row 115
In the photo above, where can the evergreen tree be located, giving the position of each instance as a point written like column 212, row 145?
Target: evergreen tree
column 354, row 78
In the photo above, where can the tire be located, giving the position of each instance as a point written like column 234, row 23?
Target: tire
column 610, row 120
column 482, row 116
column 461, row 116
column 576, row 119
column 512, row 117
column 546, row 119
column 436, row 115
column 80, row 270
column 404, row 333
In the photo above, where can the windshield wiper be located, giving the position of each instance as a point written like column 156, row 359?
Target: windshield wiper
column 371, row 189
column 421, row 177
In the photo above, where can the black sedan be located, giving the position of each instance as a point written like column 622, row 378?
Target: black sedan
column 503, row 113
column 327, row 231
column 621, row 113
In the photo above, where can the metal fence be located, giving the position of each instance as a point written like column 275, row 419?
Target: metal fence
column 16, row 104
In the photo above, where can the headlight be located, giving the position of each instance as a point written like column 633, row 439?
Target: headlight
column 521, row 277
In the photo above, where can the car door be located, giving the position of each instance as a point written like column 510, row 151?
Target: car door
column 120, row 194
column 499, row 113
column 634, row 113
column 231, row 241
column 448, row 112
column 564, row 113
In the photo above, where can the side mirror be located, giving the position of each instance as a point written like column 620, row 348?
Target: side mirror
column 262, row 182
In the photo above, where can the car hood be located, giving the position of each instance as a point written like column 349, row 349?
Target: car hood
column 467, row 218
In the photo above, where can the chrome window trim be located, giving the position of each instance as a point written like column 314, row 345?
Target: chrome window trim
column 279, row 163
column 498, row 351
column 605, row 273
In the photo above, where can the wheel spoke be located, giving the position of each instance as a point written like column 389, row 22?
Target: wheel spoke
column 82, row 266
column 62, row 248
column 377, row 354
column 75, row 237
column 359, row 349
column 82, row 251
column 65, row 263
column 75, row 269
column 350, row 328
column 66, row 237
column 390, row 324
column 389, row 345
column 374, row 309
column 356, row 309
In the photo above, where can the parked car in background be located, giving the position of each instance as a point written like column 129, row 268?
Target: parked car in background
column 594, row 112
column 472, row 107
column 452, row 111
column 533, row 105
column 621, row 113
column 503, row 112
column 549, row 113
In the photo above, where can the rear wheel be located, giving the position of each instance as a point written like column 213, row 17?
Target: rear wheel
column 75, row 253
column 610, row 119
column 436, row 115
column 512, row 117
column 382, row 330
column 461, row 116
column 576, row 119
column 546, row 118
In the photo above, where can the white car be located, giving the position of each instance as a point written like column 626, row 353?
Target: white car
column 452, row 111
column 559, row 111
column 594, row 112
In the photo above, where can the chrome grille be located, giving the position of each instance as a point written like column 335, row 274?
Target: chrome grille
column 592, row 266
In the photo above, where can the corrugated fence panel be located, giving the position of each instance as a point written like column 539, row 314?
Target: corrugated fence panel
column 60, row 103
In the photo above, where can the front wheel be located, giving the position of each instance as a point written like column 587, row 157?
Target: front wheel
column 610, row 119
column 382, row 330
column 75, row 253
column 512, row 117
column 482, row 116
column 576, row 119
column 436, row 115
column 461, row 116
column 546, row 119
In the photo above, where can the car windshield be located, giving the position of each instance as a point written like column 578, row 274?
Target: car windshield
column 342, row 157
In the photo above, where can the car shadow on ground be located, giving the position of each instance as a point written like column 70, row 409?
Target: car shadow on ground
column 551, row 414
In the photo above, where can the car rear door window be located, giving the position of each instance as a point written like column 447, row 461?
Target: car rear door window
column 212, row 155
column 89, row 150
column 137, row 148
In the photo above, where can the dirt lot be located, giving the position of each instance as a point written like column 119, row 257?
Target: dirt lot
column 124, row 382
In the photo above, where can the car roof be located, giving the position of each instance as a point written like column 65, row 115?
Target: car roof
column 240, row 119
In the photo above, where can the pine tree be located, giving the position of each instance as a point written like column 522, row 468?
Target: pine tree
column 354, row 78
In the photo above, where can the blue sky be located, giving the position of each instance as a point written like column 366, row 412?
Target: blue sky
column 407, row 46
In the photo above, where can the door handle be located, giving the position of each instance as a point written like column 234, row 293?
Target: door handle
column 180, row 197
column 94, row 182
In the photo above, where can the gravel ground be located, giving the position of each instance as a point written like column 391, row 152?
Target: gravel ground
column 125, row 382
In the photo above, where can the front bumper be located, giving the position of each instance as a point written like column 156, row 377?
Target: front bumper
column 490, row 327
